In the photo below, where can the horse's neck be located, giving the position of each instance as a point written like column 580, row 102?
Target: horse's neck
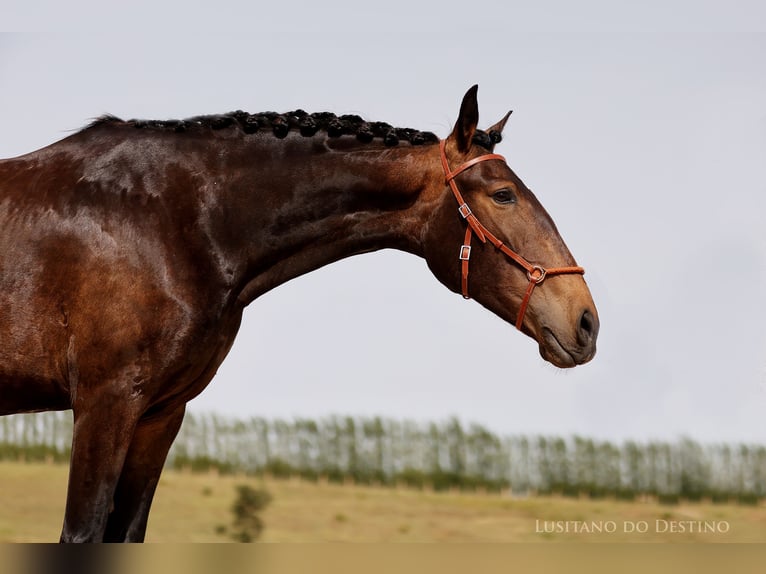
column 308, row 209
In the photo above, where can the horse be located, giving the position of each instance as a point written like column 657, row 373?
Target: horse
column 129, row 250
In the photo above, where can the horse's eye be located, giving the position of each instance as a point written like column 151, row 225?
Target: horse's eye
column 504, row 196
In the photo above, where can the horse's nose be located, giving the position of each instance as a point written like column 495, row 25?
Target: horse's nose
column 587, row 329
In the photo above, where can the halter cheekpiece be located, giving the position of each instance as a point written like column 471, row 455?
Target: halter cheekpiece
column 536, row 274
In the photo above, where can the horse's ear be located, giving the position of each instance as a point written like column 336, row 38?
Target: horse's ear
column 498, row 127
column 496, row 132
column 467, row 121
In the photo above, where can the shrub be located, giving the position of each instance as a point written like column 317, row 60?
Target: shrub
column 247, row 524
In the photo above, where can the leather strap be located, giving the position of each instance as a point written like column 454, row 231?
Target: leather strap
column 465, row 255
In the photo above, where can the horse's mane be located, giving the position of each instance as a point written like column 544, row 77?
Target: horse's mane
column 305, row 123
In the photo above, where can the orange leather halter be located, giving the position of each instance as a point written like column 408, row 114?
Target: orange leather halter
column 535, row 273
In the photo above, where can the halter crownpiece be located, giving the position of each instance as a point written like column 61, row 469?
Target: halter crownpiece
column 536, row 274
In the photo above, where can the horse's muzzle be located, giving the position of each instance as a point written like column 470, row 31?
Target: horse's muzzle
column 566, row 353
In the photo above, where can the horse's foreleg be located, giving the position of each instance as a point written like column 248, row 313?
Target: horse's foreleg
column 102, row 434
column 146, row 456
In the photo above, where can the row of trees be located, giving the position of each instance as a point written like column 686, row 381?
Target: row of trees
column 440, row 455
column 42, row 436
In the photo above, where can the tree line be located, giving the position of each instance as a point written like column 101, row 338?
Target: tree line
column 443, row 455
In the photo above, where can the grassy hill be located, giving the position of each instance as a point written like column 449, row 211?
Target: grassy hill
column 192, row 507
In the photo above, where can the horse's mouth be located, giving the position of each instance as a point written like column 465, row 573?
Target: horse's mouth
column 554, row 352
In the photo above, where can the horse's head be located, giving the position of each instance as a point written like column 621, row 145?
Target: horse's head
column 517, row 265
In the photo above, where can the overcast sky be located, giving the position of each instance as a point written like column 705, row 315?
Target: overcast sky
column 643, row 133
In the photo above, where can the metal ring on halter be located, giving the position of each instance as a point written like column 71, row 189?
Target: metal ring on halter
column 537, row 277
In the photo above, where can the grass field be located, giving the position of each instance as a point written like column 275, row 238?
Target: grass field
column 190, row 508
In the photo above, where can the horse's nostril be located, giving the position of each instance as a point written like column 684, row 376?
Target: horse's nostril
column 587, row 329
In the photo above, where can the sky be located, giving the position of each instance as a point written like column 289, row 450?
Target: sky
column 640, row 127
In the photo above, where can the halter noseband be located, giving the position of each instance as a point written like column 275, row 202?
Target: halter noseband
column 535, row 273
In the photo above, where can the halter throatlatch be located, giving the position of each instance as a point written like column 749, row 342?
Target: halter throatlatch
column 536, row 274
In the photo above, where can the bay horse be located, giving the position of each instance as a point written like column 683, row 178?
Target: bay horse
column 129, row 250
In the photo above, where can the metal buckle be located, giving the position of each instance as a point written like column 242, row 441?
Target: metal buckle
column 464, row 210
column 537, row 277
column 465, row 252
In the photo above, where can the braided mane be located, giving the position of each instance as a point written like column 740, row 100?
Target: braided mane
column 305, row 123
